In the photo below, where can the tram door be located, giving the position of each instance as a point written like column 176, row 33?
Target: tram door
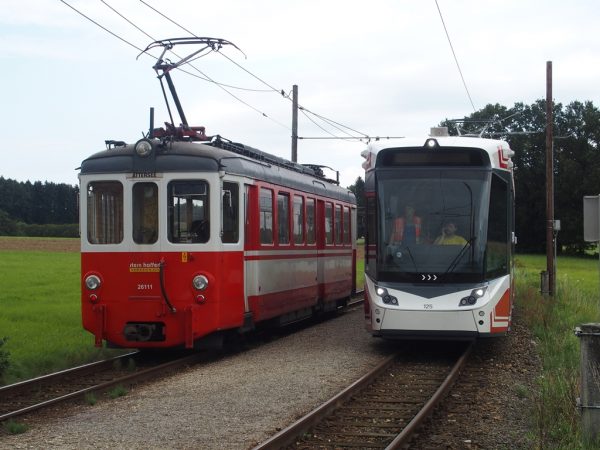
column 321, row 260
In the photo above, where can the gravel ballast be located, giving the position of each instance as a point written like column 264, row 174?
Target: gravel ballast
column 240, row 400
column 234, row 402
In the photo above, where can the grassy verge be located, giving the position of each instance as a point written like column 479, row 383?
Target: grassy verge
column 552, row 320
column 40, row 314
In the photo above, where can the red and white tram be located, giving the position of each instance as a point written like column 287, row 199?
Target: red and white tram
column 440, row 237
column 184, row 239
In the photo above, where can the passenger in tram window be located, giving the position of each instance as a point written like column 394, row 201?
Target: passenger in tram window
column 406, row 229
column 449, row 236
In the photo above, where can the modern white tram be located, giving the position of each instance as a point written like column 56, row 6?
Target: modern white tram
column 440, row 237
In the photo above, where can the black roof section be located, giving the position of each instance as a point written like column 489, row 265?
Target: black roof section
column 213, row 156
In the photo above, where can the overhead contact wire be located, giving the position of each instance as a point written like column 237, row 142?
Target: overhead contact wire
column 454, row 54
column 278, row 91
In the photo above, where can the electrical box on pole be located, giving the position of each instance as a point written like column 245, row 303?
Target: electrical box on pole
column 591, row 218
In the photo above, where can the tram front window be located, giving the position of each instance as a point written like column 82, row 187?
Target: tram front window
column 432, row 222
column 189, row 212
column 145, row 213
column 105, row 212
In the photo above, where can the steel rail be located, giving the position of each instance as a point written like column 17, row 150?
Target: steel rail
column 80, row 371
column 288, row 435
column 51, row 377
column 139, row 375
column 404, row 437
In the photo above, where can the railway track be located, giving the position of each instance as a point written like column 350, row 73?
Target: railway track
column 383, row 409
column 30, row 395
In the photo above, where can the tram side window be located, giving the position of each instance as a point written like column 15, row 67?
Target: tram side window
column 105, row 212
column 283, row 214
column 298, row 219
column 145, row 213
column 266, row 216
column 497, row 243
column 338, row 224
column 346, row 225
column 189, row 211
column 328, row 223
column 310, row 221
column 230, row 210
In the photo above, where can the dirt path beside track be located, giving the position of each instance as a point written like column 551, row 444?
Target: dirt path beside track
column 32, row 244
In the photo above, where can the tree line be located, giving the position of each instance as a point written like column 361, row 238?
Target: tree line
column 576, row 166
column 38, row 209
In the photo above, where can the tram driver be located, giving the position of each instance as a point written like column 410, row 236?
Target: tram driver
column 449, row 236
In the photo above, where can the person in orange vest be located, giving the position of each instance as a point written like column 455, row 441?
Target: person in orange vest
column 406, row 229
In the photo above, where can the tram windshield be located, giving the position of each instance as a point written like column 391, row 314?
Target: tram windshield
column 432, row 224
column 188, row 203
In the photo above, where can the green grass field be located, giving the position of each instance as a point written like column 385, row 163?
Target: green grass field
column 552, row 320
column 40, row 313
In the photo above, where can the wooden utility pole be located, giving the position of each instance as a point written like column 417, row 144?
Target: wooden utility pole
column 550, row 246
column 295, row 123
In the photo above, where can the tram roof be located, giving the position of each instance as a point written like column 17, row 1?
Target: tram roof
column 180, row 156
column 499, row 151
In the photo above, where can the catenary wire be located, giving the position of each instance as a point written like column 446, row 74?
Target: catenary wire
column 278, row 91
column 142, row 51
column 98, row 25
column 319, row 126
column 203, row 76
column 455, row 58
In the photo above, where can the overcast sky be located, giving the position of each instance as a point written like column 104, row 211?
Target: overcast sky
column 382, row 68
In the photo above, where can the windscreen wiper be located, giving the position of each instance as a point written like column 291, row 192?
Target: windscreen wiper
column 458, row 257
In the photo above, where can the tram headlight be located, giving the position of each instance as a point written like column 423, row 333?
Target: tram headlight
column 200, row 282
column 431, row 143
column 143, row 148
column 92, row 282
column 385, row 297
column 471, row 299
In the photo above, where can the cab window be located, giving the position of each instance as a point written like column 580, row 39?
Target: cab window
column 105, row 212
column 230, row 210
column 145, row 213
column 189, row 211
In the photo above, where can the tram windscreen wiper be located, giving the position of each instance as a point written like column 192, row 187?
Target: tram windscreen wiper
column 412, row 258
column 460, row 254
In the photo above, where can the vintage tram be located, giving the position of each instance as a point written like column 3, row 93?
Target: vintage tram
column 440, row 237
column 184, row 239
